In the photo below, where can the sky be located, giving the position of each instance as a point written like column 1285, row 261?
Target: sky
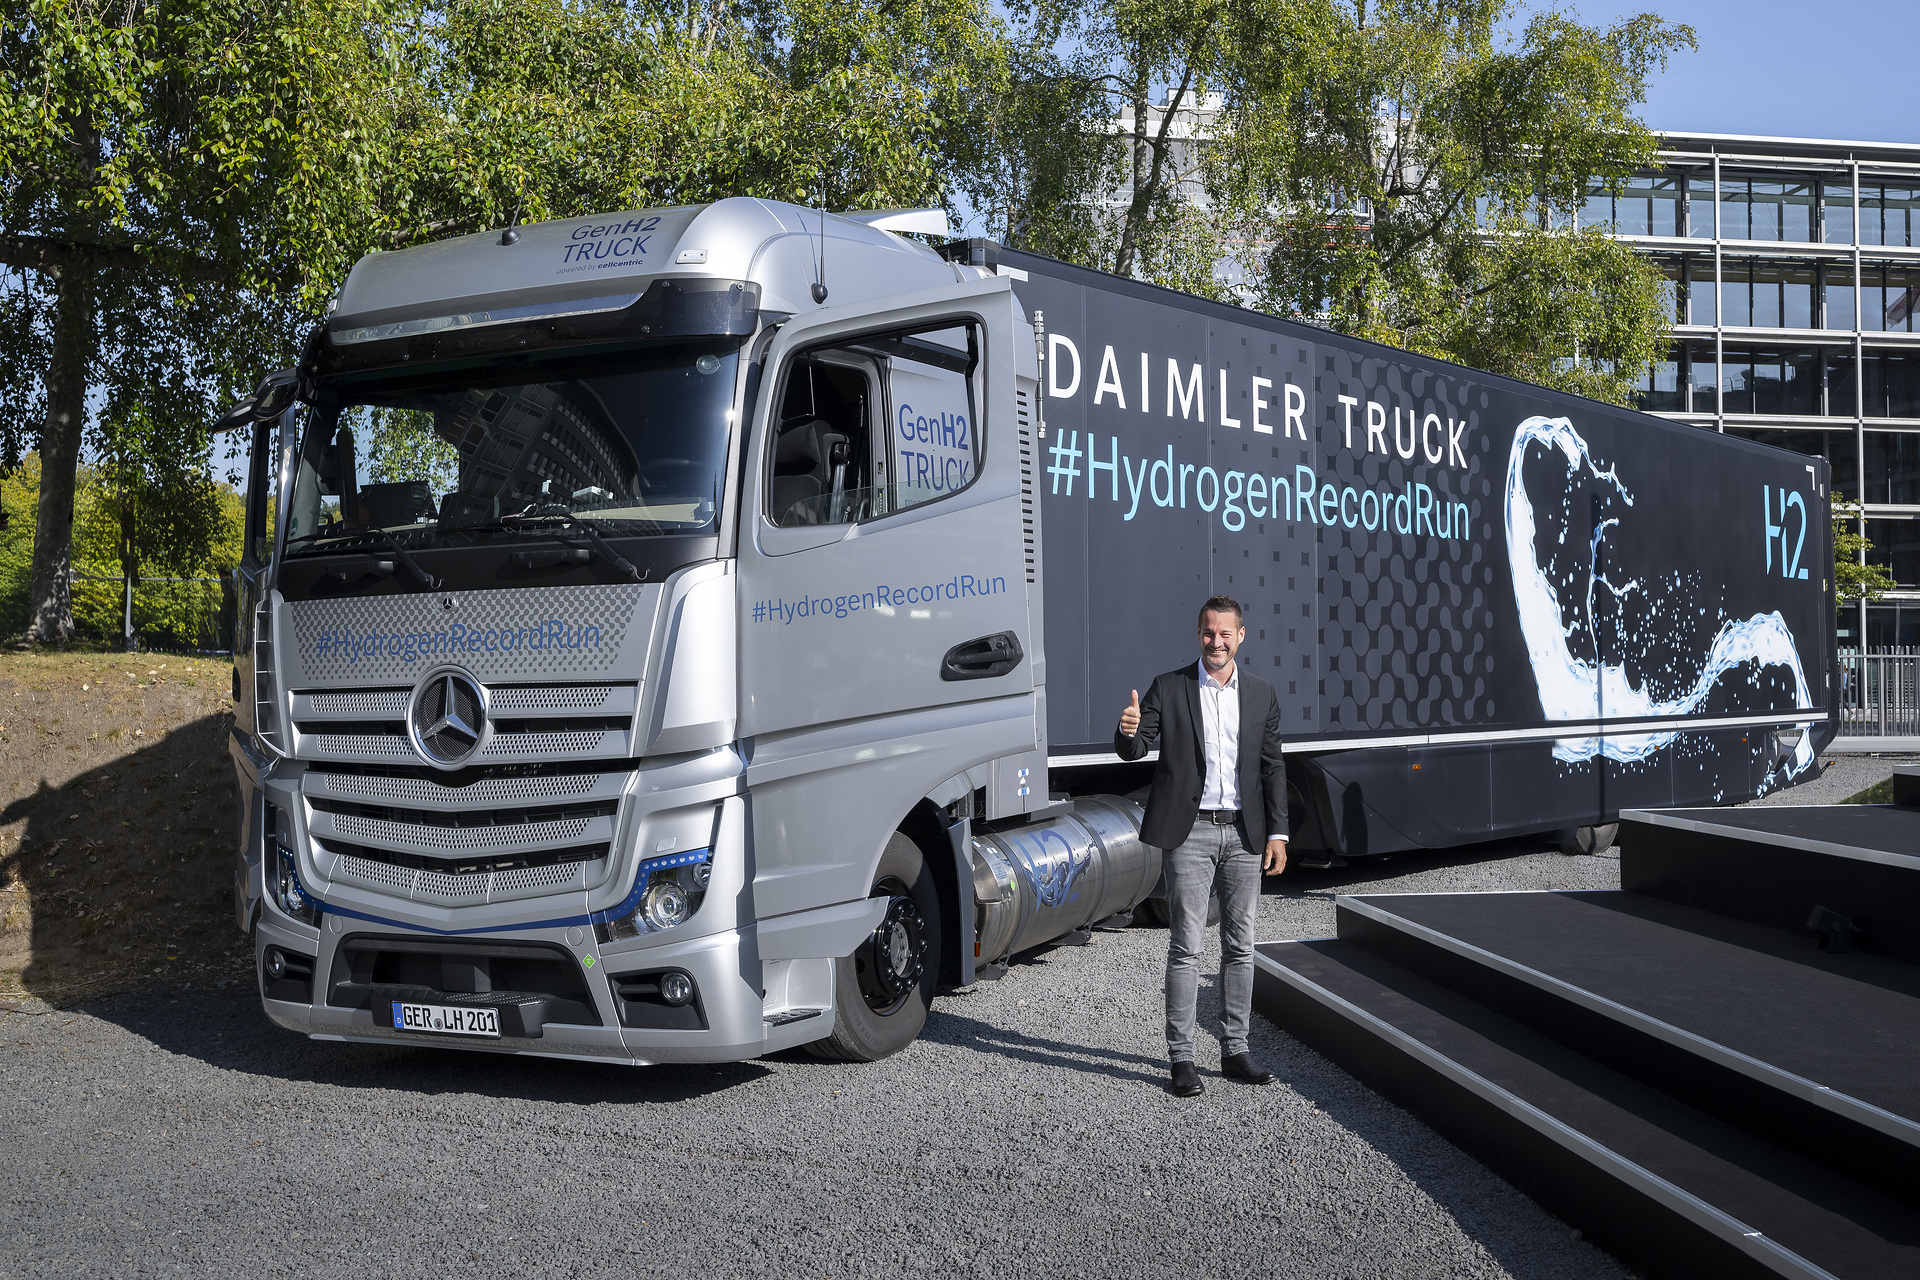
column 1843, row 69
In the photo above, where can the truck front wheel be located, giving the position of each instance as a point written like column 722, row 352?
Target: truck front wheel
column 882, row 990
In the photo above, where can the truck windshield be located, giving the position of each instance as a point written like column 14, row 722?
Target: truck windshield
column 634, row 442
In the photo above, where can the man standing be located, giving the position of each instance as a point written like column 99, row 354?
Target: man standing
column 1219, row 779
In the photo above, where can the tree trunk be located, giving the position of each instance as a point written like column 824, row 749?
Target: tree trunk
column 1142, row 171
column 50, row 595
column 129, row 560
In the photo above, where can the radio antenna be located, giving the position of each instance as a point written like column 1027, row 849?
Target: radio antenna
column 820, row 273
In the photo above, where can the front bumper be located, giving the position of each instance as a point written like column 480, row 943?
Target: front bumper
column 732, row 1008
column 559, row 989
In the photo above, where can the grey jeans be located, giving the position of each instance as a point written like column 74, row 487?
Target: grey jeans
column 1213, row 859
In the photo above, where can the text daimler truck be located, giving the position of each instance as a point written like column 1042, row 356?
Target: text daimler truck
column 690, row 633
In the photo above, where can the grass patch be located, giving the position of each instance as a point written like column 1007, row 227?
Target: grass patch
column 1880, row 792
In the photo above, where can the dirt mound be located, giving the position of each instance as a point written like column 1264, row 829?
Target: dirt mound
column 119, row 830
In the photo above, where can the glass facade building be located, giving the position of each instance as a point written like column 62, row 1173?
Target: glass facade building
column 1796, row 289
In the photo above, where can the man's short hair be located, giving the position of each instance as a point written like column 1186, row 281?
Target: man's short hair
column 1222, row 604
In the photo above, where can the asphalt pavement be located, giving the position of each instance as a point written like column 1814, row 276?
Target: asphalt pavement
column 1028, row 1133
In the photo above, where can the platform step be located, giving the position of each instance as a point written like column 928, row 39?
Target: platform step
column 1809, row 1051
column 1673, row 1190
column 1772, row 866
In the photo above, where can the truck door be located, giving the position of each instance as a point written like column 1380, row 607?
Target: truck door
column 883, row 577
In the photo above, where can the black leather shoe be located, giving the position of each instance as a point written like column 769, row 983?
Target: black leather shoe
column 1186, row 1081
column 1241, row 1066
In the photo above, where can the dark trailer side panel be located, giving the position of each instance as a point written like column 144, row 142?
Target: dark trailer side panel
column 1486, row 607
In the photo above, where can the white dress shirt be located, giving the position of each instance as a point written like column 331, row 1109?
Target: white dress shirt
column 1220, row 740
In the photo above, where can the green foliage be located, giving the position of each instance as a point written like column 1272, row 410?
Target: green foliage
column 1855, row 576
column 439, row 119
column 171, row 614
column 1382, row 167
column 1425, row 190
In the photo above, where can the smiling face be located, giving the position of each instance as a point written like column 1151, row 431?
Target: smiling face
column 1220, row 635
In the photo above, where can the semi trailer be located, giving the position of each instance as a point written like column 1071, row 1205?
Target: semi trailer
column 686, row 634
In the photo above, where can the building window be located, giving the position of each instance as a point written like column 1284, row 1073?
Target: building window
column 1697, row 203
column 1889, row 215
column 1766, row 209
column 1891, row 385
column 1893, row 467
column 1896, row 545
column 1643, row 205
column 1837, row 211
column 1836, row 302
column 1703, row 377
column 1767, row 295
column 1760, row 381
column 1660, row 389
column 1888, row 299
column 1700, row 291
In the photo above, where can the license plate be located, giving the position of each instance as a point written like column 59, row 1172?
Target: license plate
column 446, row 1019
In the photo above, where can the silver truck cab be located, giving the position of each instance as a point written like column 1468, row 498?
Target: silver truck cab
column 643, row 656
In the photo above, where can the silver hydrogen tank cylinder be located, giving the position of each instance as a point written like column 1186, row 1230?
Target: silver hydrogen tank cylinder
column 1042, row 881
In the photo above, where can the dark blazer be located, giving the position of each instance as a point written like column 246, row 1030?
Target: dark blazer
column 1171, row 713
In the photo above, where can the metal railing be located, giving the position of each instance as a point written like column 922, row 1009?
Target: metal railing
column 1878, row 694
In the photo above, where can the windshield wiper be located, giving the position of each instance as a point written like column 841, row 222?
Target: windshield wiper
column 600, row 544
column 420, row 575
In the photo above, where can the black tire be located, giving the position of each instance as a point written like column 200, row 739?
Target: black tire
column 1153, row 911
column 882, row 991
column 1582, row 841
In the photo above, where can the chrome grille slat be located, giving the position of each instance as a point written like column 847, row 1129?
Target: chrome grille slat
column 545, row 744
column 356, row 746
column 463, row 890
column 355, row 704
column 423, row 791
column 612, row 699
column 422, row 838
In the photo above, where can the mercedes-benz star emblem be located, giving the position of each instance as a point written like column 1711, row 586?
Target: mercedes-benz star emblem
column 447, row 718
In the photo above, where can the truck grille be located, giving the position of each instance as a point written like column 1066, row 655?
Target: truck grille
column 482, row 834
column 530, row 723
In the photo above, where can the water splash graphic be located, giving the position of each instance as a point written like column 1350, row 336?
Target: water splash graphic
column 1570, row 687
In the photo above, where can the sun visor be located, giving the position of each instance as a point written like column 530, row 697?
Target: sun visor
column 530, row 320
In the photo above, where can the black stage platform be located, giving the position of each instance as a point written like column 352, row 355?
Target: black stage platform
column 1698, row 1088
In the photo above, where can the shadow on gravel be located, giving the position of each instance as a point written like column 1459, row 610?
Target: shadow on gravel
column 970, row 1033
column 226, row 1029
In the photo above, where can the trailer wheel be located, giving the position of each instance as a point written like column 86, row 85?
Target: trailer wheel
column 1581, row 841
column 881, row 991
column 1154, row 912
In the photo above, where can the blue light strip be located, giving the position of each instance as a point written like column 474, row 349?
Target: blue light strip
column 611, row 914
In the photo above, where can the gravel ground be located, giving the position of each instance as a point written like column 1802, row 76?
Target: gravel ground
column 1840, row 777
column 1028, row 1133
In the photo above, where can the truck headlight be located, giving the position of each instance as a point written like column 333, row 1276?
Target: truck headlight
column 664, row 904
column 666, row 892
column 283, row 871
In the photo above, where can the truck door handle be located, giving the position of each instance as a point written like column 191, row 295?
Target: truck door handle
column 982, row 659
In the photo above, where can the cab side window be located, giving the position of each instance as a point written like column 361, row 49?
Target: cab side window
column 875, row 425
column 823, row 435
column 933, row 436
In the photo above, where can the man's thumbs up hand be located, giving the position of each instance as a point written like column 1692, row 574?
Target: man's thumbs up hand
column 1130, row 718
